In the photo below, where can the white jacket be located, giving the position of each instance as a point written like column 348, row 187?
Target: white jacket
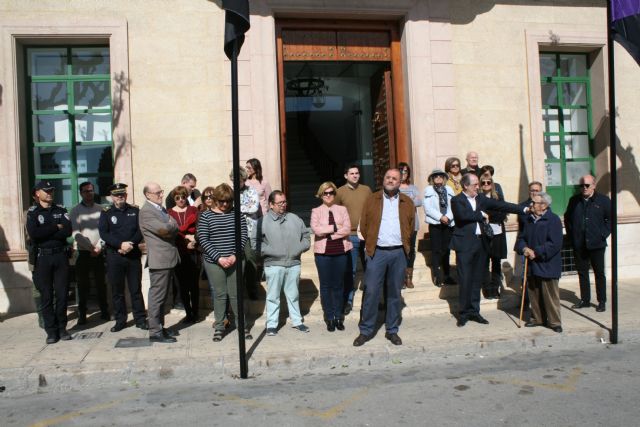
column 431, row 206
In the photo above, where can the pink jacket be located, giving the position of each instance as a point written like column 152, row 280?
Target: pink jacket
column 320, row 226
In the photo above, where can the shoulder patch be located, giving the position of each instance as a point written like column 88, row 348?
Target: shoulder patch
column 106, row 208
column 32, row 208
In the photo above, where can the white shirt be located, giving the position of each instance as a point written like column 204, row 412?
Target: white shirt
column 390, row 234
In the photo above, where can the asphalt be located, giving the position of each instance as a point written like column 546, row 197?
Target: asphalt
column 95, row 357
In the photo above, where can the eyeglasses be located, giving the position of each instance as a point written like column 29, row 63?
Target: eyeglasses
column 585, row 185
column 487, row 182
column 282, row 203
column 329, row 193
column 157, row 193
column 538, row 203
column 176, row 198
column 534, row 191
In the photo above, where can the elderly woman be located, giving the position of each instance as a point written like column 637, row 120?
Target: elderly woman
column 331, row 225
column 498, row 244
column 452, row 168
column 541, row 241
column 257, row 181
column 414, row 193
column 216, row 235
column 187, row 271
column 438, row 214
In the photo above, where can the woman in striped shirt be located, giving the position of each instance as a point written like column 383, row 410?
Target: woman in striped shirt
column 216, row 235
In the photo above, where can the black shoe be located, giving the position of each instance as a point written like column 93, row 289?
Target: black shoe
column 247, row 335
column 118, row 327
column 360, row 340
column 188, row 320
column 331, row 325
column 347, row 309
column 557, row 329
column 601, row 307
column 178, row 306
column 143, row 324
column 340, row 325
column 478, row 318
column 161, row 338
column 394, row 338
column 450, row 281
column 461, row 322
column 531, row 324
column 52, row 339
column 82, row 318
column 64, row 335
column 581, row 304
column 170, row 333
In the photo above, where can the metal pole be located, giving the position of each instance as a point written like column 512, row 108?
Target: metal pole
column 614, row 180
column 236, row 209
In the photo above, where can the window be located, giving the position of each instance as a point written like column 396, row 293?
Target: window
column 69, row 118
column 566, row 115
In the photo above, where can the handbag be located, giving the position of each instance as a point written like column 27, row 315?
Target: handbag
column 487, row 231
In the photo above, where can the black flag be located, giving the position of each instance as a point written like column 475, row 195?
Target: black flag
column 625, row 23
column 236, row 23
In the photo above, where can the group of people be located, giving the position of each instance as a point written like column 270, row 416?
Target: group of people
column 464, row 209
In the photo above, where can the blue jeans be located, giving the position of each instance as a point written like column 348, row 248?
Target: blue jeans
column 278, row 279
column 331, row 270
column 386, row 265
column 352, row 264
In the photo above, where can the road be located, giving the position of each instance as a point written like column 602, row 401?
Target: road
column 596, row 384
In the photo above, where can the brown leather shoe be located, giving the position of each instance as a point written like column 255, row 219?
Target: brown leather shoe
column 394, row 338
column 360, row 340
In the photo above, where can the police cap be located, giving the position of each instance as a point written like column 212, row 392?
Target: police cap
column 43, row 185
column 118, row 188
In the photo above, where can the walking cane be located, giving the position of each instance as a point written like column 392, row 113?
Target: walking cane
column 524, row 289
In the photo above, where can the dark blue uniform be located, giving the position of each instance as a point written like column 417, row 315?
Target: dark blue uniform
column 117, row 226
column 51, row 271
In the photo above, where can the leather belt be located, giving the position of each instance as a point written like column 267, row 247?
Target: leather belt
column 51, row 251
column 389, row 248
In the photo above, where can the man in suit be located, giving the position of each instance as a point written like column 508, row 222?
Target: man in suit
column 588, row 223
column 159, row 230
column 471, row 246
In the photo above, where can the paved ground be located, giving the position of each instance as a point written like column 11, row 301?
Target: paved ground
column 28, row 366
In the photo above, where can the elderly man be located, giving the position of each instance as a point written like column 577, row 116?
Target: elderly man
column 471, row 245
column 387, row 221
column 541, row 242
column 280, row 238
column 159, row 230
column 473, row 165
column 49, row 227
column 85, row 217
column 121, row 234
column 587, row 220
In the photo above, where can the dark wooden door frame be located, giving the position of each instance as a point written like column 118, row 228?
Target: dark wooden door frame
column 402, row 152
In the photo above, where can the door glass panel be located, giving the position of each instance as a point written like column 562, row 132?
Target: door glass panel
column 576, row 146
column 548, row 65
column 551, row 119
column 93, row 127
column 49, row 96
column 94, row 158
column 90, row 60
column 549, row 94
column 51, row 128
column 91, row 95
column 552, row 146
column 554, row 174
column 574, row 93
column 52, row 160
column 575, row 120
column 573, row 65
column 47, row 62
column 577, row 169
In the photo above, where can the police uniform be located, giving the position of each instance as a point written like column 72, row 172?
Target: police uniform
column 118, row 225
column 51, row 270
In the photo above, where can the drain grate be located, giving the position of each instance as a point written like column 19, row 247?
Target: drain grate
column 133, row 342
column 87, row 335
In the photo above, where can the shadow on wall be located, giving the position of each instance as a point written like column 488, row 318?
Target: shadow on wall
column 17, row 288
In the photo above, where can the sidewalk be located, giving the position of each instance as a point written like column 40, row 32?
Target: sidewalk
column 27, row 364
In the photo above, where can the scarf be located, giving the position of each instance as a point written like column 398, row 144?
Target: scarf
column 442, row 196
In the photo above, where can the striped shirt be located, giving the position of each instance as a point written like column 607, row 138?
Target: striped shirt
column 216, row 235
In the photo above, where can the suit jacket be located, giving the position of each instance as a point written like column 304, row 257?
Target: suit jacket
column 372, row 215
column 466, row 218
column 159, row 231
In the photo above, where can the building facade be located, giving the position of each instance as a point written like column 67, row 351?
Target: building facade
column 137, row 91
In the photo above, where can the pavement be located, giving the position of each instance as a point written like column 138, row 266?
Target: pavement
column 95, row 357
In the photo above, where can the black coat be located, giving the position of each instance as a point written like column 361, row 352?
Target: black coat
column 588, row 222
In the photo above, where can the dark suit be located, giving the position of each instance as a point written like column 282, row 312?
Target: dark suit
column 471, row 248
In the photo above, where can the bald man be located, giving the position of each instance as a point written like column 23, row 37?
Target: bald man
column 472, row 164
column 588, row 223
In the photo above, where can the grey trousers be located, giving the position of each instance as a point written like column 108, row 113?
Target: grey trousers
column 158, row 290
column 544, row 296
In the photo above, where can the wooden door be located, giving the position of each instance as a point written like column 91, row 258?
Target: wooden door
column 382, row 127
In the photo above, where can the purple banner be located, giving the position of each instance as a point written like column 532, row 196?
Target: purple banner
column 622, row 8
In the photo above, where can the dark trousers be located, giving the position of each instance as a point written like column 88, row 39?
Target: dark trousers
column 331, row 270
column 51, row 278
column 389, row 266
column 160, row 280
column 250, row 276
column 440, row 236
column 85, row 264
column 120, row 268
column 471, row 264
column 352, row 267
column 594, row 257
column 411, row 258
column 188, row 277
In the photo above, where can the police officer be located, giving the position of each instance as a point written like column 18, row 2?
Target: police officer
column 119, row 229
column 49, row 227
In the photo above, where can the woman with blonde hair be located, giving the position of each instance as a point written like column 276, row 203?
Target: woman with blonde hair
column 331, row 226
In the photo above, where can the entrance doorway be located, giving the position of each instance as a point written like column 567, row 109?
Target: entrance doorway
column 336, row 109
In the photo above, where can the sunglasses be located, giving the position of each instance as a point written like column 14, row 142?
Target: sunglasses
column 487, row 182
column 585, row 185
column 329, row 193
column 208, row 197
column 176, row 198
column 455, row 165
column 283, row 203
column 225, row 202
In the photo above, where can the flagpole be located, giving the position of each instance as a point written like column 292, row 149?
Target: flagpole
column 236, row 203
column 614, row 180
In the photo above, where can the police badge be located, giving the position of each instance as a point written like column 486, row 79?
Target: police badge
column 40, row 219
column 114, row 220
